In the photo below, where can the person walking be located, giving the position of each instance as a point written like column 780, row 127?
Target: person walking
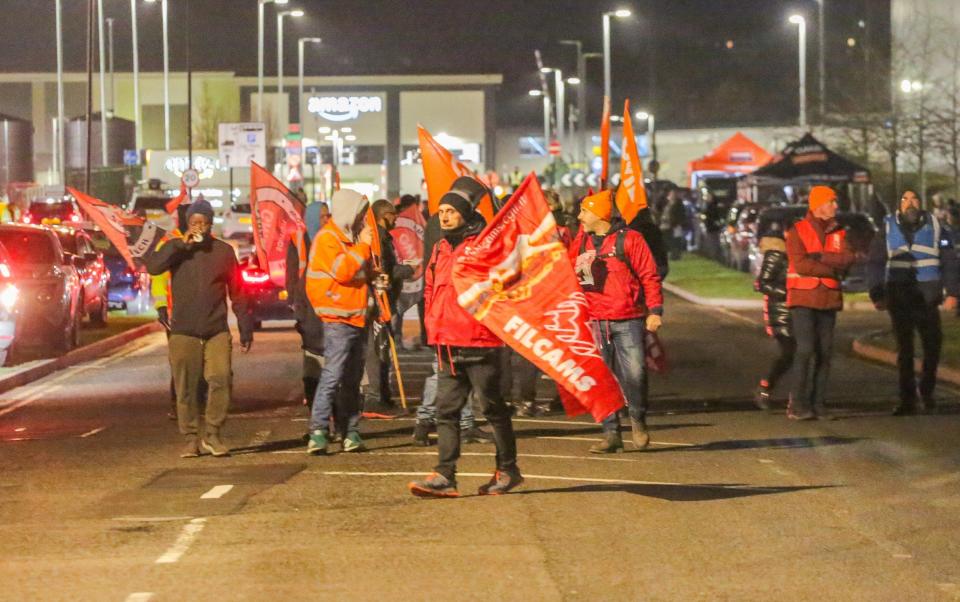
column 619, row 277
column 818, row 256
column 911, row 264
column 772, row 282
column 337, row 287
column 203, row 271
column 469, row 357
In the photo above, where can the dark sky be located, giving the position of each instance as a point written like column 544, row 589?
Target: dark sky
column 670, row 56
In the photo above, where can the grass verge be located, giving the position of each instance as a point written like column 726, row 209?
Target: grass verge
column 950, row 354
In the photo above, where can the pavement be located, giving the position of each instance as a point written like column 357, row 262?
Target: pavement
column 728, row 503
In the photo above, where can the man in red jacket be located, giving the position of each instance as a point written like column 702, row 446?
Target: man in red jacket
column 619, row 277
column 469, row 358
column 817, row 259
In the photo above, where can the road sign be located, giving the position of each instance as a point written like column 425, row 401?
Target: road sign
column 241, row 143
column 190, row 178
column 131, row 157
column 554, row 148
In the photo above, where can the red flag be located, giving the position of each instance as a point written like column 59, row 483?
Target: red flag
column 176, row 201
column 441, row 169
column 631, row 195
column 407, row 234
column 120, row 227
column 605, row 143
column 277, row 214
column 516, row 279
column 376, row 259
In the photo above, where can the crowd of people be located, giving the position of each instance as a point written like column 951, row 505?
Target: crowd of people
column 348, row 306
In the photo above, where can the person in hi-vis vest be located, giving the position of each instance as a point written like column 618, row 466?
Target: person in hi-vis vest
column 818, row 256
column 912, row 262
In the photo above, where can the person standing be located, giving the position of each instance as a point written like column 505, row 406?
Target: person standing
column 772, row 282
column 203, row 271
column 619, row 277
column 911, row 264
column 818, row 256
column 469, row 359
column 337, row 277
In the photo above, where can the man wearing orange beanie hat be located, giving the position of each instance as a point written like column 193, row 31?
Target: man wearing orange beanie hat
column 619, row 278
column 818, row 257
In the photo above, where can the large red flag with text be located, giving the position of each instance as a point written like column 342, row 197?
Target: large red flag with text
column 631, row 195
column 277, row 214
column 133, row 236
column 441, row 169
column 517, row 280
column 605, row 143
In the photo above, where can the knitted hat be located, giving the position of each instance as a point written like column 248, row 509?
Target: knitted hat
column 821, row 195
column 460, row 201
column 202, row 207
column 599, row 204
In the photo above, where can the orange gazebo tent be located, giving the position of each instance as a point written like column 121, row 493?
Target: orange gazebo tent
column 737, row 156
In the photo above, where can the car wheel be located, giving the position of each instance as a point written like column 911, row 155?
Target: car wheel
column 100, row 317
column 68, row 338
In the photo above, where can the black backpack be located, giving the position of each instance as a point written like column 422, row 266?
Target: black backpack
column 619, row 250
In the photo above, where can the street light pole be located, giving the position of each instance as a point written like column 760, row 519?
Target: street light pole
column 260, row 10
column 607, row 83
column 136, row 75
column 103, row 84
column 113, row 85
column 300, row 44
column 166, row 77
column 801, row 24
column 561, row 104
column 581, row 98
column 59, row 141
column 280, row 16
column 821, row 69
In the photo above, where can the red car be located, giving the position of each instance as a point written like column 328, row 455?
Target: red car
column 90, row 265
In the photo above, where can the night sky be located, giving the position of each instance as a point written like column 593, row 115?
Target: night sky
column 671, row 56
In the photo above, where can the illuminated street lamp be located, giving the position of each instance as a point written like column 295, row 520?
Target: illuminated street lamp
column 166, row 74
column 280, row 16
column 260, row 4
column 801, row 24
column 620, row 14
column 300, row 44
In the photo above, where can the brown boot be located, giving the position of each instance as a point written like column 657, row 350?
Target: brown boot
column 191, row 447
column 641, row 438
column 612, row 444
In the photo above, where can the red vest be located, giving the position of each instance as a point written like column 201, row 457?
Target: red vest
column 811, row 242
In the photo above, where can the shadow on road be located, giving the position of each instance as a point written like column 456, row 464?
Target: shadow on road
column 705, row 492
column 779, row 443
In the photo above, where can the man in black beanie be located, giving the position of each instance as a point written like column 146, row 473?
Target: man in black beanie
column 203, row 271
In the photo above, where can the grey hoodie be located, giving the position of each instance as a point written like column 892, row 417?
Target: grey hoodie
column 347, row 208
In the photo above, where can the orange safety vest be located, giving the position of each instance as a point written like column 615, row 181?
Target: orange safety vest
column 811, row 242
column 337, row 278
column 299, row 241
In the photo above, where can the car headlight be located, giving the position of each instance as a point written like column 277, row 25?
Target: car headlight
column 9, row 296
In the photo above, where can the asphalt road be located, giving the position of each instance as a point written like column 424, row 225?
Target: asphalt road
column 727, row 504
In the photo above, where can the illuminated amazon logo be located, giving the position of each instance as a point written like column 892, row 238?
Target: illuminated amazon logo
column 343, row 108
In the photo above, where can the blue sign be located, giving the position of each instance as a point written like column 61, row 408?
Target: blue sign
column 131, row 157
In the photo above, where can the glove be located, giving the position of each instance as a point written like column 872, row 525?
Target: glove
column 163, row 316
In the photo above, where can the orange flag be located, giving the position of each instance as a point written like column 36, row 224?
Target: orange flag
column 441, row 169
column 631, row 195
column 277, row 214
column 376, row 256
column 134, row 237
column 176, row 201
column 605, row 143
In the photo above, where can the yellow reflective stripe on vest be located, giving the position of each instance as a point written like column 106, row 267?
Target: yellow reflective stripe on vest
column 336, row 311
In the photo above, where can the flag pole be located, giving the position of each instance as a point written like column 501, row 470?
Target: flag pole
column 396, row 368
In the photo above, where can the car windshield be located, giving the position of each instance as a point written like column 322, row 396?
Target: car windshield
column 150, row 203
column 42, row 210
column 241, row 208
column 28, row 247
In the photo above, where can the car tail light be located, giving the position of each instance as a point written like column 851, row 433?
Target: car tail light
column 27, row 219
column 8, row 298
column 255, row 276
column 75, row 218
column 4, row 270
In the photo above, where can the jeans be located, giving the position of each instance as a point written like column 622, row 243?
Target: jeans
column 908, row 316
column 378, row 363
column 338, row 393
column 622, row 348
column 476, row 369
column 427, row 411
column 813, row 329
column 193, row 360
column 781, row 365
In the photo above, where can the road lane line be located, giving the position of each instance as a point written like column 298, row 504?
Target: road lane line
column 216, row 492
column 491, row 455
column 93, row 432
column 560, row 422
column 140, row 597
column 486, row 475
column 151, row 519
column 180, row 547
column 666, row 443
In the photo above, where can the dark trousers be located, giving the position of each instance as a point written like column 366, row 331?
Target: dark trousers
column 925, row 320
column 378, row 365
column 525, row 376
column 814, row 332
column 194, row 359
column 781, row 364
column 475, row 368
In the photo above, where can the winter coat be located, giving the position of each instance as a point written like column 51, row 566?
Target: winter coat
column 652, row 235
column 616, row 294
column 772, row 282
column 831, row 265
column 447, row 323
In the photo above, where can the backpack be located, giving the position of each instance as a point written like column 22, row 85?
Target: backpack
column 619, row 251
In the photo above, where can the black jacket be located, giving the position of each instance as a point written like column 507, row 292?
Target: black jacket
column 772, row 282
column 309, row 324
column 200, row 279
column 391, row 267
column 644, row 224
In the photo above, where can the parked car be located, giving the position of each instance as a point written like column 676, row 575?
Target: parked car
column 860, row 232
column 152, row 204
column 49, row 283
column 53, row 211
column 741, row 235
column 9, row 296
column 267, row 300
column 94, row 275
column 127, row 289
column 237, row 222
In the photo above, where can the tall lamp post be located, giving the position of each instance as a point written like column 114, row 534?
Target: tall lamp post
column 651, row 130
column 559, row 91
column 166, row 74
column 136, row 74
column 581, row 97
column 801, row 24
column 821, row 69
column 260, row 4
column 300, row 44
column 280, row 16
column 113, row 85
column 103, row 84
column 620, row 14
column 59, row 142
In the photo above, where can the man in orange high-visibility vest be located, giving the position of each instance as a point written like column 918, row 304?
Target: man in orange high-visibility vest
column 817, row 258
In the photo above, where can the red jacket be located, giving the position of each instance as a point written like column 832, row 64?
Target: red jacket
column 828, row 263
column 623, row 297
column 447, row 323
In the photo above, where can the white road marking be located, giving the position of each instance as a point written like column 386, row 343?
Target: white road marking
column 486, row 475
column 31, row 398
column 491, row 455
column 19, row 429
column 151, row 519
column 180, row 547
column 560, row 422
column 259, row 438
column 216, row 492
column 140, row 597
column 93, row 432
column 665, row 443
